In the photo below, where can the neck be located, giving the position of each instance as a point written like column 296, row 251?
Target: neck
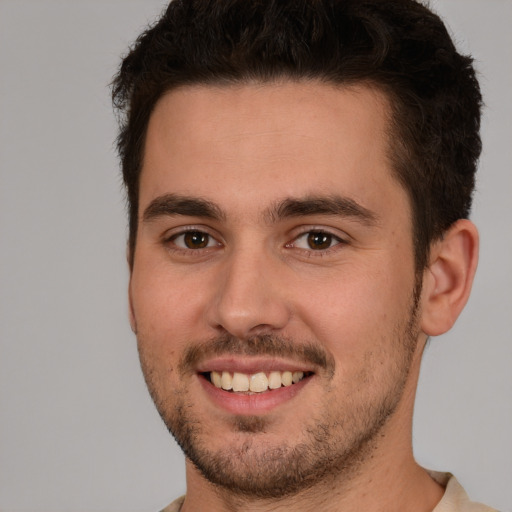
column 381, row 488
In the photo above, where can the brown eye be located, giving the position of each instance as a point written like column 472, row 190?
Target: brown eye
column 196, row 240
column 192, row 241
column 318, row 240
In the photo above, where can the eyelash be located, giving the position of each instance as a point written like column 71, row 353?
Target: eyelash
column 334, row 242
column 170, row 241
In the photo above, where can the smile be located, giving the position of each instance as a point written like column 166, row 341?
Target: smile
column 253, row 385
column 259, row 382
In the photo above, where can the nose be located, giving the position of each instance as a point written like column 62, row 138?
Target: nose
column 249, row 298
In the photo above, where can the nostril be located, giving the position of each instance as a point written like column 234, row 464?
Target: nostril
column 248, row 300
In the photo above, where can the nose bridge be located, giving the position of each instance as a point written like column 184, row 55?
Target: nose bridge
column 248, row 299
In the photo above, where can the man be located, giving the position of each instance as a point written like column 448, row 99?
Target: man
column 299, row 176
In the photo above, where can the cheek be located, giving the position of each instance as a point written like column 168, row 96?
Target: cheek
column 167, row 306
column 163, row 329
column 351, row 311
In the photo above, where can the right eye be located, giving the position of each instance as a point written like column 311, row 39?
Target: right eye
column 194, row 240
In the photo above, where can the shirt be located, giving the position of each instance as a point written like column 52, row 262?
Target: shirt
column 454, row 499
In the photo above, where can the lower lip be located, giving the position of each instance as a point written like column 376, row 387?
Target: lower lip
column 257, row 403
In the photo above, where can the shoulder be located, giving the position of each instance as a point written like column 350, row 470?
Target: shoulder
column 455, row 498
column 175, row 506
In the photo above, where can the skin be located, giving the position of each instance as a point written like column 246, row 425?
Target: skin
column 243, row 151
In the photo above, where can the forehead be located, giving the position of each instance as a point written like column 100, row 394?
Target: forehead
column 269, row 140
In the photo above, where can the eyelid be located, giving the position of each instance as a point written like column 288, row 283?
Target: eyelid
column 334, row 232
column 187, row 228
column 170, row 235
column 341, row 237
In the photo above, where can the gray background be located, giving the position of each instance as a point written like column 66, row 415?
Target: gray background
column 77, row 429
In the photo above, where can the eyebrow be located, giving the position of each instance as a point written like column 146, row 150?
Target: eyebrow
column 319, row 205
column 173, row 204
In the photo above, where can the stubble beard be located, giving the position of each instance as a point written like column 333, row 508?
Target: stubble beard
column 334, row 445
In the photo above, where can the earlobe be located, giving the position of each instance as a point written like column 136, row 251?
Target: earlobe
column 448, row 279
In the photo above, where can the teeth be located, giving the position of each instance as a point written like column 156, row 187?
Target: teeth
column 226, row 381
column 240, row 382
column 274, row 380
column 297, row 376
column 217, row 379
column 256, row 383
column 287, row 378
column 259, row 382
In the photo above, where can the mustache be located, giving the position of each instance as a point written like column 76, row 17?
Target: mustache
column 261, row 345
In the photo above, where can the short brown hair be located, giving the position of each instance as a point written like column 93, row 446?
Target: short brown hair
column 399, row 46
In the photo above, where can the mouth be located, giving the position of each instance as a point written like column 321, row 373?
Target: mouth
column 254, row 383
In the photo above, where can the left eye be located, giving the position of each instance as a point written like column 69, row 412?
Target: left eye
column 316, row 241
column 194, row 240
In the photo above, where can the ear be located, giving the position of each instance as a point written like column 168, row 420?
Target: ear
column 448, row 279
column 131, row 314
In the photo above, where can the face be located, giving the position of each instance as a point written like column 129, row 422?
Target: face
column 273, row 286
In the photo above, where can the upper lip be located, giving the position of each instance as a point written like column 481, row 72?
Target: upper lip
column 252, row 365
